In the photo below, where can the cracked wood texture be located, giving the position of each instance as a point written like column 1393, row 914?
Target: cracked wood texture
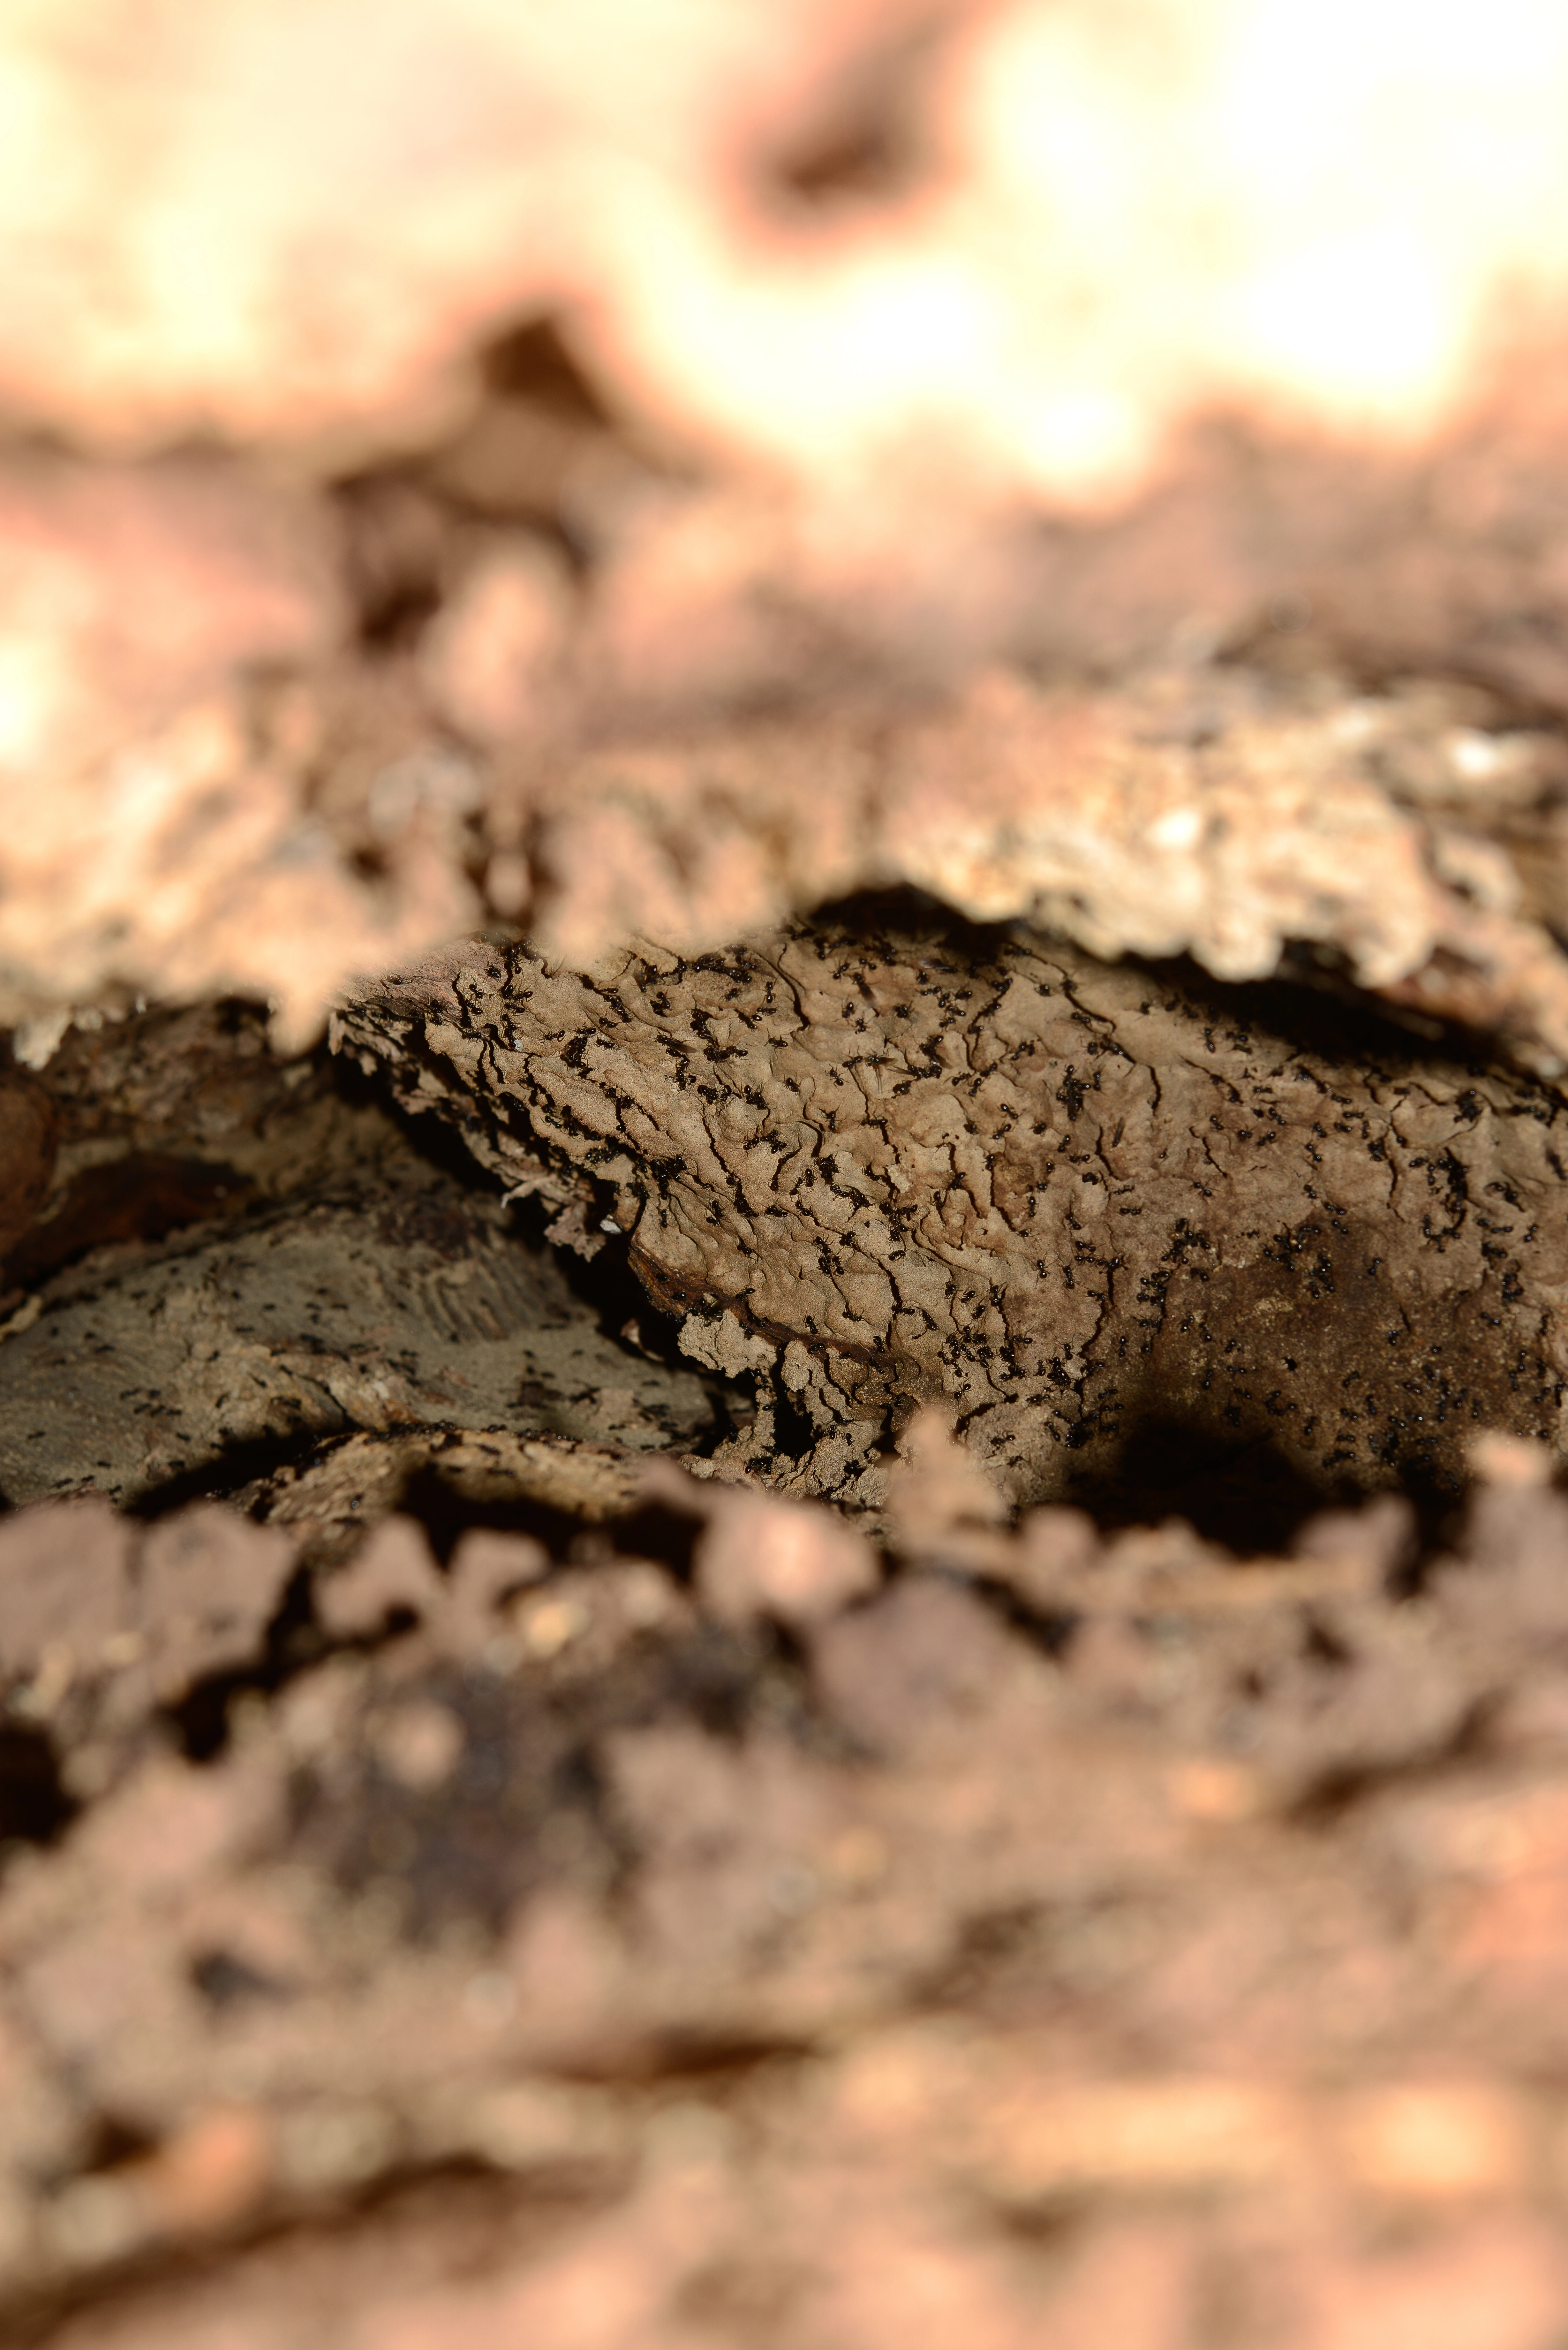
column 1134, row 1234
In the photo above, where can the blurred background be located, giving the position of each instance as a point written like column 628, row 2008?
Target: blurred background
column 405, row 408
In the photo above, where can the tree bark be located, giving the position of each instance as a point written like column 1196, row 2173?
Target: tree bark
column 1130, row 1231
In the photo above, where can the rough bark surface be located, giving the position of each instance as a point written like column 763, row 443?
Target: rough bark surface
column 227, row 1260
column 416, row 1303
column 654, row 470
column 261, row 745
column 1093, row 1209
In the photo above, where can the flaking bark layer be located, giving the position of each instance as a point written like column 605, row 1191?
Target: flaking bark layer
column 1126, row 1230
